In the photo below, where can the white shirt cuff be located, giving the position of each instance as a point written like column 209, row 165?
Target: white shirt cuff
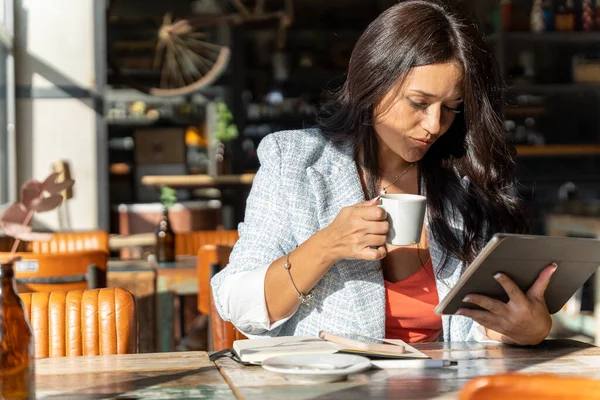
column 243, row 298
column 478, row 334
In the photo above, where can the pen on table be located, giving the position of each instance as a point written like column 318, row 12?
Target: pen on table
column 384, row 364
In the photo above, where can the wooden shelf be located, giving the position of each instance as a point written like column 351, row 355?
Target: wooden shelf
column 302, row 73
column 524, row 111
column 193, row 181
column 283, row 119
column 550, row 88
column 558, row 150
column 154, row 123
column 547, row 37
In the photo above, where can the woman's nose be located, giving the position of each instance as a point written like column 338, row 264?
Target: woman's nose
column 433, row 120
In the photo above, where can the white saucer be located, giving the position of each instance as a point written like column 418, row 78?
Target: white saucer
column 317, row 368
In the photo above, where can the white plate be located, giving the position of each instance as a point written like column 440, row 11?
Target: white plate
column 313, row 368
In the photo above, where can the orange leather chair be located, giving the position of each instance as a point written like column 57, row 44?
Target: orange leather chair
column 212, row 259
column 82, row 322
column 59, row 272
column 69, row 242
column 189, row 243
column 530, row 387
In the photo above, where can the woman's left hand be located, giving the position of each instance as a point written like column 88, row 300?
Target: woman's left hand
column 523, row 320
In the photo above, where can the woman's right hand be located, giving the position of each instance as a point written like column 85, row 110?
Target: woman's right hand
column 358, row 232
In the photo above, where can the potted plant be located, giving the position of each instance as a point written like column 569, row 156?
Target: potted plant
column 225, row 131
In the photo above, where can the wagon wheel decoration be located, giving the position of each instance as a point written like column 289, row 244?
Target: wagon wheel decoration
column 187, row 57
column 192, row 53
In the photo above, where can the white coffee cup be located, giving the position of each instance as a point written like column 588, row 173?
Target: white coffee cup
column 405, row 213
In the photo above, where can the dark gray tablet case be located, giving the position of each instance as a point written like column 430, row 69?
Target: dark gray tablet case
column 522, row 258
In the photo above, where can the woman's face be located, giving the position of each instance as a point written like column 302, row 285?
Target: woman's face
column 409, row 119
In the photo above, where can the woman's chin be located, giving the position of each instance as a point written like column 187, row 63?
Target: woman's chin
column 413, row 156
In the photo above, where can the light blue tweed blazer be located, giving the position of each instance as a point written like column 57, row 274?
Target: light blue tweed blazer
column 302, row 184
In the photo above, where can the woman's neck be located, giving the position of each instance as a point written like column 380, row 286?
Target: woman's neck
column 390, row 163
column 390, row 166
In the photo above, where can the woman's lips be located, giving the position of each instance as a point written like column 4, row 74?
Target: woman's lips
column 422, row 142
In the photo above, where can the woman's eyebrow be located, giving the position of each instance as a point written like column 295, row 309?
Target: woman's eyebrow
column 432, row 95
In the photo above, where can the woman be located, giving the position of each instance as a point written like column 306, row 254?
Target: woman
column 419, row 113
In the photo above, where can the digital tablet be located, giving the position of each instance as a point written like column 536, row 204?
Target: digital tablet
column 522, row 258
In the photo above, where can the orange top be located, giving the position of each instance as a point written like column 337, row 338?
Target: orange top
column 409, row 307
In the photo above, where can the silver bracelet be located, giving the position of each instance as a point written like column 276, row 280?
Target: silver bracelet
column 304, row 298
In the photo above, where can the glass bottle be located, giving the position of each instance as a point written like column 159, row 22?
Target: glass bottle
column 570, row 17
column 587, row 15
column 17, row 378
column 165, row 239
column 537, row 23
column 506, row 14
column 548, row 15
column 561, row 19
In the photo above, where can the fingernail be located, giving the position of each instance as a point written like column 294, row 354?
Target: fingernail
column 466, row 299
column 498, row 276
column 458, row 312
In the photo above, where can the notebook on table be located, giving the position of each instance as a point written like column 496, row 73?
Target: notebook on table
column 257, row 350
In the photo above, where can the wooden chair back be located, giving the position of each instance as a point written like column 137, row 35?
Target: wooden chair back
column 82, row 322
column 69, row 242
column 530, row 387
column 188, row 243
column 59, row 272
column 211, row 259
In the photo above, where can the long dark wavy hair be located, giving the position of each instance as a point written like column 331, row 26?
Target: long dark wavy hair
column 414, row 33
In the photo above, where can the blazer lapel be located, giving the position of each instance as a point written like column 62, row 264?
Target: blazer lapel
column 437, row 258
column 445, row 278
column 336, row 184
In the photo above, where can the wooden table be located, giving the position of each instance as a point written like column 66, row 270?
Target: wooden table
column 564, row 357
column 190, row 375
column 164, row 376
column 572, row 225
column 156, row 286
column 118, row 242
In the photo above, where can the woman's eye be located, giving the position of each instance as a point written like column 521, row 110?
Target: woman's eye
column 454, row 110
column 417, row 105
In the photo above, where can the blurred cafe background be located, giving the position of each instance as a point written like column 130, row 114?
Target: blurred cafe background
column 154, row 105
